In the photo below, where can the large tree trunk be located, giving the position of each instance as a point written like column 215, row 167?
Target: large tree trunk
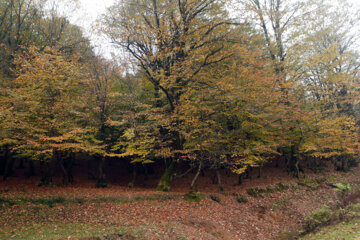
column 194, row 181
column 165, row 181
column 293, row 161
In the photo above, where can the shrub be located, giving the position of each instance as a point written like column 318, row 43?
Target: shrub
column 241, row 198
column 318, row 218
column 254, row 192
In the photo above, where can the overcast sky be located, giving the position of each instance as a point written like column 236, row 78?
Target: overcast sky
column 90, row 10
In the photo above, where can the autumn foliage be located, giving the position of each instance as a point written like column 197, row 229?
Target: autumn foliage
column 197, row 86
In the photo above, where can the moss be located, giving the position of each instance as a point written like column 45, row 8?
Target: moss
column 165, row 181
column 193, row 197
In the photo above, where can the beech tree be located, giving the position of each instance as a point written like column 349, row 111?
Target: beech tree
column 329, row 72
column 101, row 109
column 173, row 41
column 300, row 35
column 44, row 108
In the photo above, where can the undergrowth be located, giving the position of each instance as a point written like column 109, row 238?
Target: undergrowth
column 258, row 192
column 52, row 201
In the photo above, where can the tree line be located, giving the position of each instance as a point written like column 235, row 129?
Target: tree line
column 204, row 83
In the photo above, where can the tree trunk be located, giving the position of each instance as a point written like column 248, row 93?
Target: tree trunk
column 165, row 181
column 132, row 183
column 247, row 173
column 46, row 172
column 101, row 182
column 202, row 172
column 293, row 165
column 70, row 167
column 240, row 179
column 260, row 171
column 65, row 176
column 277, row 162
column 214, row 178
column 194, row 181
column 221, row 188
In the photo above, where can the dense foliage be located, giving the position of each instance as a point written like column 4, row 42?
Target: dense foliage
column 202, row 87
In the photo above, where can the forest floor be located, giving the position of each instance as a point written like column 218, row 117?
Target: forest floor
column 81, row 211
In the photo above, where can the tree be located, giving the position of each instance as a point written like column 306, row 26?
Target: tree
column 101, row 109
column 173, row 42
column 24, row 23
column 308, row 42
column 43, row 107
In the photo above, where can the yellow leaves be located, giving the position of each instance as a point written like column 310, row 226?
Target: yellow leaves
column 333, row 136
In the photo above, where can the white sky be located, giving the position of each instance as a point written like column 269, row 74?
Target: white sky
column 90, row 10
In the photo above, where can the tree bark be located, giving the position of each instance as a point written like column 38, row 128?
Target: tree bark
column 165, row 181
column 194, row 181
column 221, row 188
column 293, row 163
column 240, row 179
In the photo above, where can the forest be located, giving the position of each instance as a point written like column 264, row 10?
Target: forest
column 193, row 89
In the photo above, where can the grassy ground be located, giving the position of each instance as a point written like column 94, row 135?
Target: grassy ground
column 61, row 231
column 345, row 231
